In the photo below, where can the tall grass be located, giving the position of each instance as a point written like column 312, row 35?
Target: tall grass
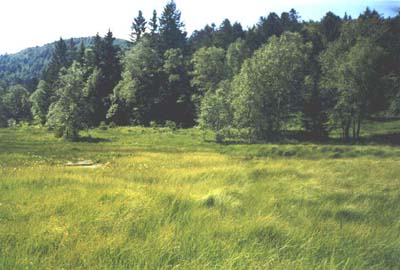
column 169, row 200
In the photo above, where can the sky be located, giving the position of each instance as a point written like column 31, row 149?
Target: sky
column 28, row 23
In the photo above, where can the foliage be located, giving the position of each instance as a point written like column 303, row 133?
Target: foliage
column 27, row 66
column 137, row 94
column 171, row 125
column 235, row 55
column 208, row 69
column 330, row 26
column 176, row 91
column 270, row 85
column 138, row 27
column 216, row 112
column 15, row 103
column 67, row 115
column 40, row 100
column 171, row 28
column 350, row 74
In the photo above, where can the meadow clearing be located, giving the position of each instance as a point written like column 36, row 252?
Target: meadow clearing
column 158, row 199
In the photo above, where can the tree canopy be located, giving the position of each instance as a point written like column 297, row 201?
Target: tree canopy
column 321, row 75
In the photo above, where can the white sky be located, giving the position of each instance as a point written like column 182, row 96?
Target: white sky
column 27, row 23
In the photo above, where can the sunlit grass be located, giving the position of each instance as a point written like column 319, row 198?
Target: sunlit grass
column 168, row 200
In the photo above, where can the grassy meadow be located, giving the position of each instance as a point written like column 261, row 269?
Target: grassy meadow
column 157, row 199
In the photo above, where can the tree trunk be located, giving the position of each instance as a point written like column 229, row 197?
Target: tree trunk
column 347, row 131
column 358, row 127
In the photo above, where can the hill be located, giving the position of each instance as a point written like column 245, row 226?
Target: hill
column 26, row 66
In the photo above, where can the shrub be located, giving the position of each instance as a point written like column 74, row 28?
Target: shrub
column 11, row 123
column 171, row 125
column 103, row 126
column 153, row 124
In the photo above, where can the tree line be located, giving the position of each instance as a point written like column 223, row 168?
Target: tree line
column 325, row 75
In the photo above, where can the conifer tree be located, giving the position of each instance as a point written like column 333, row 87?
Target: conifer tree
column 171, row 28
column 154, row 23
column 138, row 27
column 58, row 61
column 81, row 53
column 72, row 53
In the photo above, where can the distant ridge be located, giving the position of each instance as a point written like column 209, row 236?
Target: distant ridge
column 25, row 67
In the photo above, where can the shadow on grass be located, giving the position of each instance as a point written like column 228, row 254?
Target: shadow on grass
column 384, row 119
column 384, row 139
column 88, row 139
column 300, row 137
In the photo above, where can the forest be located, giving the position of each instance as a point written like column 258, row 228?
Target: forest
column 251, row 84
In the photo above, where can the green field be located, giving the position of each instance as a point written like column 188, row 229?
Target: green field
column 157, row 199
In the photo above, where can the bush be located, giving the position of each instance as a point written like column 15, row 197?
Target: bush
column 103, row 126
column 231, row 133
column 23, row 125
column 153, row 124
column 58, row 132
column 112, row 125
column 219, row 136
column 171, row 125
column 11, row 123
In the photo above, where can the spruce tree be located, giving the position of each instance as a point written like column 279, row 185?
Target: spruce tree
column 58, row 61
column 72, row 53
column 81, row 53
column 154, row 23
column 97, row 51
column 171, row 28
column 138, row 27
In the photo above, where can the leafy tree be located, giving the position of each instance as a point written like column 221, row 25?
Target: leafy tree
column 138, row 27
column 314, row 117
column 208, row 69
column 353, row 76
column 270, row 85
column 3, row 113
column 94, row 105
column 103, row 61
column 3, row 120
column 395, row 104
column 40, row 100
column 66, row 116
column 171, row 28
column 176, row 95
column 216, row 112
column 137, row 95
column 235, row 56
column 16, row 103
